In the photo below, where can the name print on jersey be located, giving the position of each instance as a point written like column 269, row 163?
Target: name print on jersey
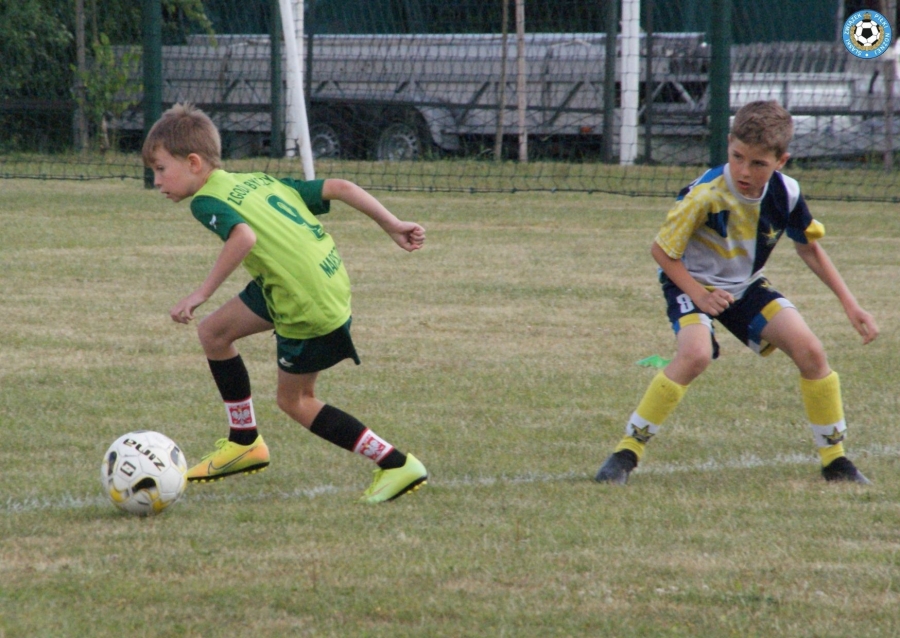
column 239, row 192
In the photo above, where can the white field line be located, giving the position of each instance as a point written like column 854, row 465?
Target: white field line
column 13, row 505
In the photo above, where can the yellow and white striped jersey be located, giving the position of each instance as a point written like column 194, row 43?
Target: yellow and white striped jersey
column 724, row 238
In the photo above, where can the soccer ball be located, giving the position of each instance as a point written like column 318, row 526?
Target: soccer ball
column 143, row 472
column 867, row 32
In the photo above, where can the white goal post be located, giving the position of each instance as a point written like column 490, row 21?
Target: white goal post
column 630, row 75
column 296, row 123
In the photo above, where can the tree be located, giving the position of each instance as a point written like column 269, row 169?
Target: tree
column 34, row 40
column 104, row 84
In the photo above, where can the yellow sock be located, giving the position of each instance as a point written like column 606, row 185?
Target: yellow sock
column 661, row 397
column 830, row 453
column 825, row 411
column 631, row 443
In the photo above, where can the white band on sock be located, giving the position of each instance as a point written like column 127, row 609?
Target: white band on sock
column 372, row 446
column 640, row 428
column 828, row 435
column 240, row 414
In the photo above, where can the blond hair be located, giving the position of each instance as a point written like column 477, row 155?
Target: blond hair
column 182, row 130
column 765, row 124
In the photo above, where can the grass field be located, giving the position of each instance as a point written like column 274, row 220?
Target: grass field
column 504, row 356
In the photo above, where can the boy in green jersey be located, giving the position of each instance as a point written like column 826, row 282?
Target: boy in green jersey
column 300, row 288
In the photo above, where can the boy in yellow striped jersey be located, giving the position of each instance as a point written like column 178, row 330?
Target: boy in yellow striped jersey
column 300, row 289
column 711, row 251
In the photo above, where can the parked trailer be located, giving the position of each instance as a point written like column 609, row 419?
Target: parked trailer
column 400, row 96
column 444, row 90
column 393, row 97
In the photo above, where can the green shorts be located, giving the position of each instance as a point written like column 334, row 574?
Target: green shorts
column 302, row 356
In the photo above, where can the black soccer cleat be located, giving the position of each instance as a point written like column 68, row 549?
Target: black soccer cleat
column 842, row 469
column 617, row 467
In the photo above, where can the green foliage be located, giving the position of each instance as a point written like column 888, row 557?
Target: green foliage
column 34, row 39
column 104, row 81
column 191, row 12
column 37, row 42
column 38, row 73
column 121, row 19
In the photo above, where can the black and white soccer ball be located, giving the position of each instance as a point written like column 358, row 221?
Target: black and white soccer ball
column 143, row 472
column 867, row 33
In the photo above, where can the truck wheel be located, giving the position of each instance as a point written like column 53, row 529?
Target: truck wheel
column 325, row 141
column 399, row 141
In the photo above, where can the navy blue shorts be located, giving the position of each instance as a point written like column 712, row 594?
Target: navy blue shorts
column 302, row 356
column 745, row 318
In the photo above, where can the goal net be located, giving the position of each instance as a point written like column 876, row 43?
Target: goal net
column 456, row 96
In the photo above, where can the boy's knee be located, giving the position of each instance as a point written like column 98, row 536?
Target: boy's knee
column 696, row 357
column 289, row 398
column 210, row 338
column 696, row 362
column 204, row 333
column 687, row 365
column 302, row 407
column 285, row 402
column 809, row 356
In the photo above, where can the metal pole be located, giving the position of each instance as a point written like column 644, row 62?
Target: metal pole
column 310, row 28
column 276, row 77
column 81, row 123
column 522, row 81
column 648, row 83
column 839, row 18
column 501, row 98
column 152, row 61
column 890, row 70
column 719, row 81
column 609, row 80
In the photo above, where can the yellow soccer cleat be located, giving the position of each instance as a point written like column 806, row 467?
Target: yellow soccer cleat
column 389, row 484
column 230, row 458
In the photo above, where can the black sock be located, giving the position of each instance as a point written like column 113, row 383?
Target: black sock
column 233, row 381
column 243, row 436
column 231, row 378
column 393, row 460
column 344, row 430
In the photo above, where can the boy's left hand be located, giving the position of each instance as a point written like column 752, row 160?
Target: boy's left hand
column 864, row 323
column 408, row 235
column 183, row 311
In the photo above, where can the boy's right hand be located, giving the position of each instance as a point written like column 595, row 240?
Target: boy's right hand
column 715, row 302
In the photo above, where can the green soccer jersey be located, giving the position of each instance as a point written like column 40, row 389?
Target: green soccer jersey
column 294, row 260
